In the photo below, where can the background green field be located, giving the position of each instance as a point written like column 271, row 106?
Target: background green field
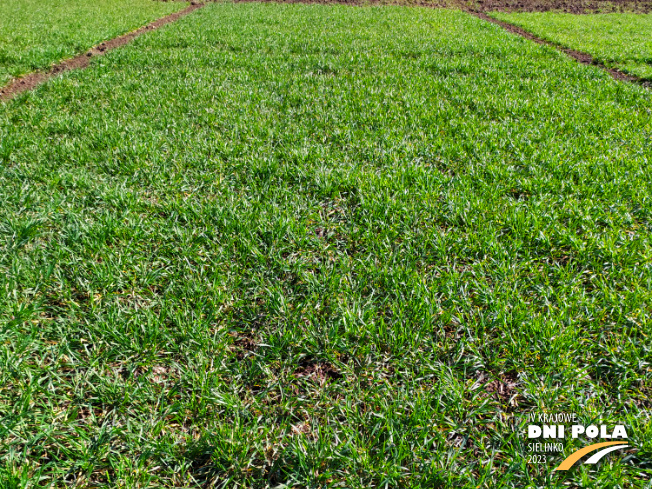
column 622, row 41
column 36, row 33
column 322, row 247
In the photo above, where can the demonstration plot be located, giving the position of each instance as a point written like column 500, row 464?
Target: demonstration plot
column 622, row 41
column 249, row 249
column 36, row 33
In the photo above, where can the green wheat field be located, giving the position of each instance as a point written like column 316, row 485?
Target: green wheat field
column 318, row 246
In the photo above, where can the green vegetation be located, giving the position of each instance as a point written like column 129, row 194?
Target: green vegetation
column 36, row 33
column 249, row 250
column 622, row 41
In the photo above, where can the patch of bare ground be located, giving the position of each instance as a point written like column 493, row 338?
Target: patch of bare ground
column 318, row 370
column 32, row 80
column 502, row 388
column 568, row 6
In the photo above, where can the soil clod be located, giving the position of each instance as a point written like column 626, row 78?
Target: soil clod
column 318, row 370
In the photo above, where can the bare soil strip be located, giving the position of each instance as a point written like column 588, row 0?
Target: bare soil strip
column 568, row 6
column 583, row 58
column 32, row 80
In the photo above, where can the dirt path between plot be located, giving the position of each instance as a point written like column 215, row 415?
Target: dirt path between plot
column 583, row 58
column 568, row 6
column 32, row 80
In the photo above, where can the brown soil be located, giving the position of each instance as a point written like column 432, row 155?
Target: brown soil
column 569, row 6
column 504, row 387
column 321, row 371
column 32, row 80
column 244, row 345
